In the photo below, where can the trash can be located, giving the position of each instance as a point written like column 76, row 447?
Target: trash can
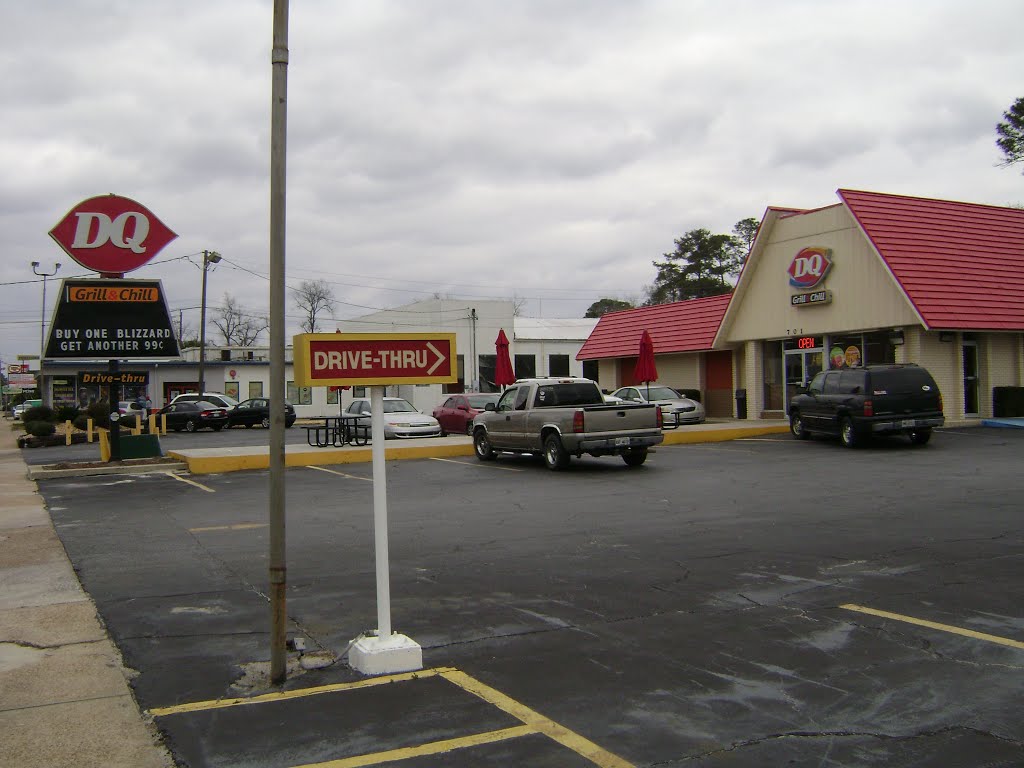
column 741, row 403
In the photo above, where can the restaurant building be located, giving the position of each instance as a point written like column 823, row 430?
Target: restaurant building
column 875, row 278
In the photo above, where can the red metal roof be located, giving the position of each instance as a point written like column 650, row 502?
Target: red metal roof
column 682, row 326
column 960, row 264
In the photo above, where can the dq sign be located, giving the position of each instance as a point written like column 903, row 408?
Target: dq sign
column 809, row 267
column 111, row 234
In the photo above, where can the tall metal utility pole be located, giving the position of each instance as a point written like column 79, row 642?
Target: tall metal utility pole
column 209, row 257
column 42, row 328
column 278, row 151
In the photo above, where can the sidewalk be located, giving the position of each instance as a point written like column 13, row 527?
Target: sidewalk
column 64, row 695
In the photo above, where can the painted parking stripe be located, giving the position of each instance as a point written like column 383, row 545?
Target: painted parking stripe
column 235, row 527
column 581, row 746
column 477, row 464
column 433, row 748
column 193, row 483
column 339, row 474
column 533, row 722
column 935, row 625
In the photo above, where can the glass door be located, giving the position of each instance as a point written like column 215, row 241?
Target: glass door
column 970, row 378
column 801, row 366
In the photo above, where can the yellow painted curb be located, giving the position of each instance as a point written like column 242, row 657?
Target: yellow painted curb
column 682, row 437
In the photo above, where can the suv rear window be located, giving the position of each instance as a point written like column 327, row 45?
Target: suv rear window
column 895, row 381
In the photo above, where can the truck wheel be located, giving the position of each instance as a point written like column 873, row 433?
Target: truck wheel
column 920, row 436
column 555, row 456
column 796, row 426
column 482, row 446
column 635, row 457
column 847, row 433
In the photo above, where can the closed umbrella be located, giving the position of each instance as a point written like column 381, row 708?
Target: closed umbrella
column 646, row 371
column 503, row 374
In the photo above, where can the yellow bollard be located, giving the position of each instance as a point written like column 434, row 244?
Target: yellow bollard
column 152, row 424
column 67, row 432
column 138, row 425
column 89, row 430
column 104, row 444
column 163, row 423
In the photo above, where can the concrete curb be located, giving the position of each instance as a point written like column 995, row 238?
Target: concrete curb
column 45, row 473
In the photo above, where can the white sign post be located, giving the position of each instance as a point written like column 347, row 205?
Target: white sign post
column 386, row 652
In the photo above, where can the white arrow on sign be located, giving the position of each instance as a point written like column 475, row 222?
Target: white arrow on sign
column 440, row 358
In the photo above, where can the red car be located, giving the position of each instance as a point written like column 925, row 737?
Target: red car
column 455, row 415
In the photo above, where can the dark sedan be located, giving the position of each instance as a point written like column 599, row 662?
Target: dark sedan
column 257, row 411
column 193, row 416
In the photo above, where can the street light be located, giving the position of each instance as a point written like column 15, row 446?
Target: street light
column 209, row 257
column 42, row 326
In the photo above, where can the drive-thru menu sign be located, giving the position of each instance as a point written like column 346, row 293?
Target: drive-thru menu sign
column 111, row 319
column 358, row 359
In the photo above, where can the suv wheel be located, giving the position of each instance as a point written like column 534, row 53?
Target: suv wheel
column 920, row 436
column 796, row 426
column 847, row 433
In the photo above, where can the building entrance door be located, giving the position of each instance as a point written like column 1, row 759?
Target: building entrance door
column 801, row 366
column 971, row 378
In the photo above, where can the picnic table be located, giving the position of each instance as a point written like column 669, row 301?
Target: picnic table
column 336, row 431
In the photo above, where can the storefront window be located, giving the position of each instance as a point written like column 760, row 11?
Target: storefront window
column 255, row 389
column 558, row 365
column 231, row 389
column 774, row 381
column 460, row 385
column 488, row 365
column 526, row 366
column 299, row 395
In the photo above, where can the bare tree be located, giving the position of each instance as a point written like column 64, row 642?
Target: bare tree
column 315, row 298
column 237, row 327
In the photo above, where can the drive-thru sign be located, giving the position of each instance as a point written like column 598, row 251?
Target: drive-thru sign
column 361, row 359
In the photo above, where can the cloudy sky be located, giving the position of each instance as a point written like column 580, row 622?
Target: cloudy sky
column 544, row 151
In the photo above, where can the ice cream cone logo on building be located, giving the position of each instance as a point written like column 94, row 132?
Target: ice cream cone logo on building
column 809, row 267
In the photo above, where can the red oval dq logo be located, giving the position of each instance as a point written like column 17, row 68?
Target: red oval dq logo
column 809, row 267
column 111, row 234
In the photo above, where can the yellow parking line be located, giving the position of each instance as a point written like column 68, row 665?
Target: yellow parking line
column 340, row 474
column 200, row 706
column 235, row 527
column 477, row 464
column 181, row 479
column 433, row 748
column 934, row 625
column 538, row 722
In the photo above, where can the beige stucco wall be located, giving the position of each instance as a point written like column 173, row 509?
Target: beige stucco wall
column 864, row 294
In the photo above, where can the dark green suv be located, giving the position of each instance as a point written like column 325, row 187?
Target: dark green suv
column 856, row 403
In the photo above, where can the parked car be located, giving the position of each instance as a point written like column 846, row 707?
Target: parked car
column 456, row 414
column 19, row 410
column 217, row 398
column 401, row 419
column 856, row 403
column 675, row 409
column 191, row 416
column 256, row 410
column 130, row 408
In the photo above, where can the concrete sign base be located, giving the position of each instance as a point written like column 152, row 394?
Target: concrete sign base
column 373, row 655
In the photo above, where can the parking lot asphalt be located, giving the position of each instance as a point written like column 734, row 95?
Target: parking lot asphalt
column 697, row 619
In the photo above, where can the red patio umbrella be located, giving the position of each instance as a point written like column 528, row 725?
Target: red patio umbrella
column 503, row 374
column 646, row 371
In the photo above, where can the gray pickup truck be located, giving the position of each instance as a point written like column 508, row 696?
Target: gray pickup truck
column 563, row 417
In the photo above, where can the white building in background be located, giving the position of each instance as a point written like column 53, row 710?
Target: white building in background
column 537, row 346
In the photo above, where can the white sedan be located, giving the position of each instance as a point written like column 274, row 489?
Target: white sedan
column 401, row 419
column 675, row 409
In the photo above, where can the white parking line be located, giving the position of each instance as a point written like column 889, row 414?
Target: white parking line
column 339, row 474
column 181, row 479
column 477, row 464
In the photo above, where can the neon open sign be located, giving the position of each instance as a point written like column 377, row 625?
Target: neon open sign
column 806, row 342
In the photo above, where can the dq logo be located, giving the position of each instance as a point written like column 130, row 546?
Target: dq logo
column 111, row 234
column 809, row 267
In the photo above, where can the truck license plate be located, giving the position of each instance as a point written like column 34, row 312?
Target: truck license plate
column 621, row 441
column 908, row 423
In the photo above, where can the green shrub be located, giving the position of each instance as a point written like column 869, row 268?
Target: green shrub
column 81, row 421
column 38, row 413
column 66, row 413
column 99, row 412
column 40, row 428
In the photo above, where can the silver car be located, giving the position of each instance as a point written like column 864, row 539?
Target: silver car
column 401, row 419
column 675, row 409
